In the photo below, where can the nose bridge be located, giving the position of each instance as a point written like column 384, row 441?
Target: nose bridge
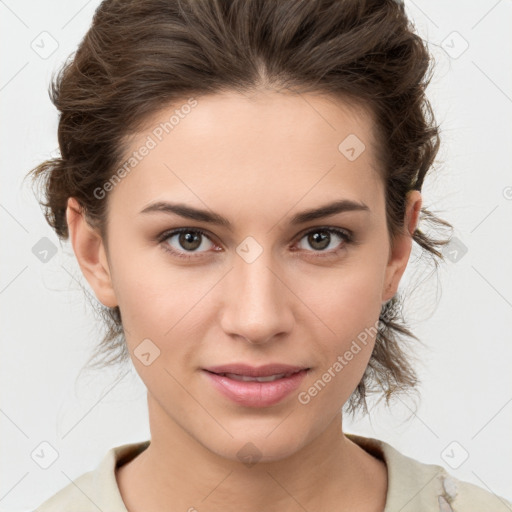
column 256, row 306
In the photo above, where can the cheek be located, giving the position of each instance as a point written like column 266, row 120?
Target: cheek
column 345, row 300
column 351, row 310
column 348, row 304
column 163, row 303
column 149, row 291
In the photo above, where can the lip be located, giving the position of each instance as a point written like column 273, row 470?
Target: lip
column 256, row 394
column 255, row 371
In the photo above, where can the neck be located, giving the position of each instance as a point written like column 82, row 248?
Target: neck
column 175, row 470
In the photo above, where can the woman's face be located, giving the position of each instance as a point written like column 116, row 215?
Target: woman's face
column 267, row 285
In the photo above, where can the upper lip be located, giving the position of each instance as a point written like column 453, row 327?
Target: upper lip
column 256, row 371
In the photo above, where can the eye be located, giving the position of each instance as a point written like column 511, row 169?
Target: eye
column 322, row 238
column 186, row 240
column 188, row 243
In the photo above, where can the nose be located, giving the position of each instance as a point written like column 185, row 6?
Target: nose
column 257, row 305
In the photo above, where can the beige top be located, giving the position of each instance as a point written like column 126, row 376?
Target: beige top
column 412, row 485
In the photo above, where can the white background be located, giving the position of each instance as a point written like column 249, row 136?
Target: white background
column 48, row 330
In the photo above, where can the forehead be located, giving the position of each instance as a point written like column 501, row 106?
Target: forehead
column 266, row 151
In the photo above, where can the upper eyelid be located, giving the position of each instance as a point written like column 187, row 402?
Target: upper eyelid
column 333, row 229
column 324, row 228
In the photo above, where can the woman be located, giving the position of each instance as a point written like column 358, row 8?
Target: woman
column 241, row 184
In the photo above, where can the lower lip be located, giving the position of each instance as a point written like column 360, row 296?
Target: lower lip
column 256, row 394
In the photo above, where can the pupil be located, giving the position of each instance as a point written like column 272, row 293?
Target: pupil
column 188, row 238
column 319, row 237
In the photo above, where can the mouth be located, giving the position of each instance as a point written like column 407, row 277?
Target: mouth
column 247, row 378
column 245, row 370
column 256, row 386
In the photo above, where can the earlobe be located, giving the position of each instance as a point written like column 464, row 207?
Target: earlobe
column 90, row 253
column 401, row 250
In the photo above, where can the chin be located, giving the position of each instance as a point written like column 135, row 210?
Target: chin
column 251, row 446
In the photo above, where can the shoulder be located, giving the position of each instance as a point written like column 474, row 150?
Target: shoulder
column 415, row 486
column 79, row 493
column 469, row 497
column 96, row 489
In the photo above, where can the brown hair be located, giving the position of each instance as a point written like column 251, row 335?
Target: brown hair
column 140, row 56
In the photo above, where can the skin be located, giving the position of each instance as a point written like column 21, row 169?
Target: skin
column 257, row 161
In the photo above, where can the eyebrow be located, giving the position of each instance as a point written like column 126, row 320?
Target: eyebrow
column 189, row 212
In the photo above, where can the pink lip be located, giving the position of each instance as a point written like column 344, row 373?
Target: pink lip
column 256, row 394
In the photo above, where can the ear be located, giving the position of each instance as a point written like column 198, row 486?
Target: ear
column 90, row 253
column 401, row 250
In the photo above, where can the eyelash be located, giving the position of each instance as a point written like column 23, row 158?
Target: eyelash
column 345, row 235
